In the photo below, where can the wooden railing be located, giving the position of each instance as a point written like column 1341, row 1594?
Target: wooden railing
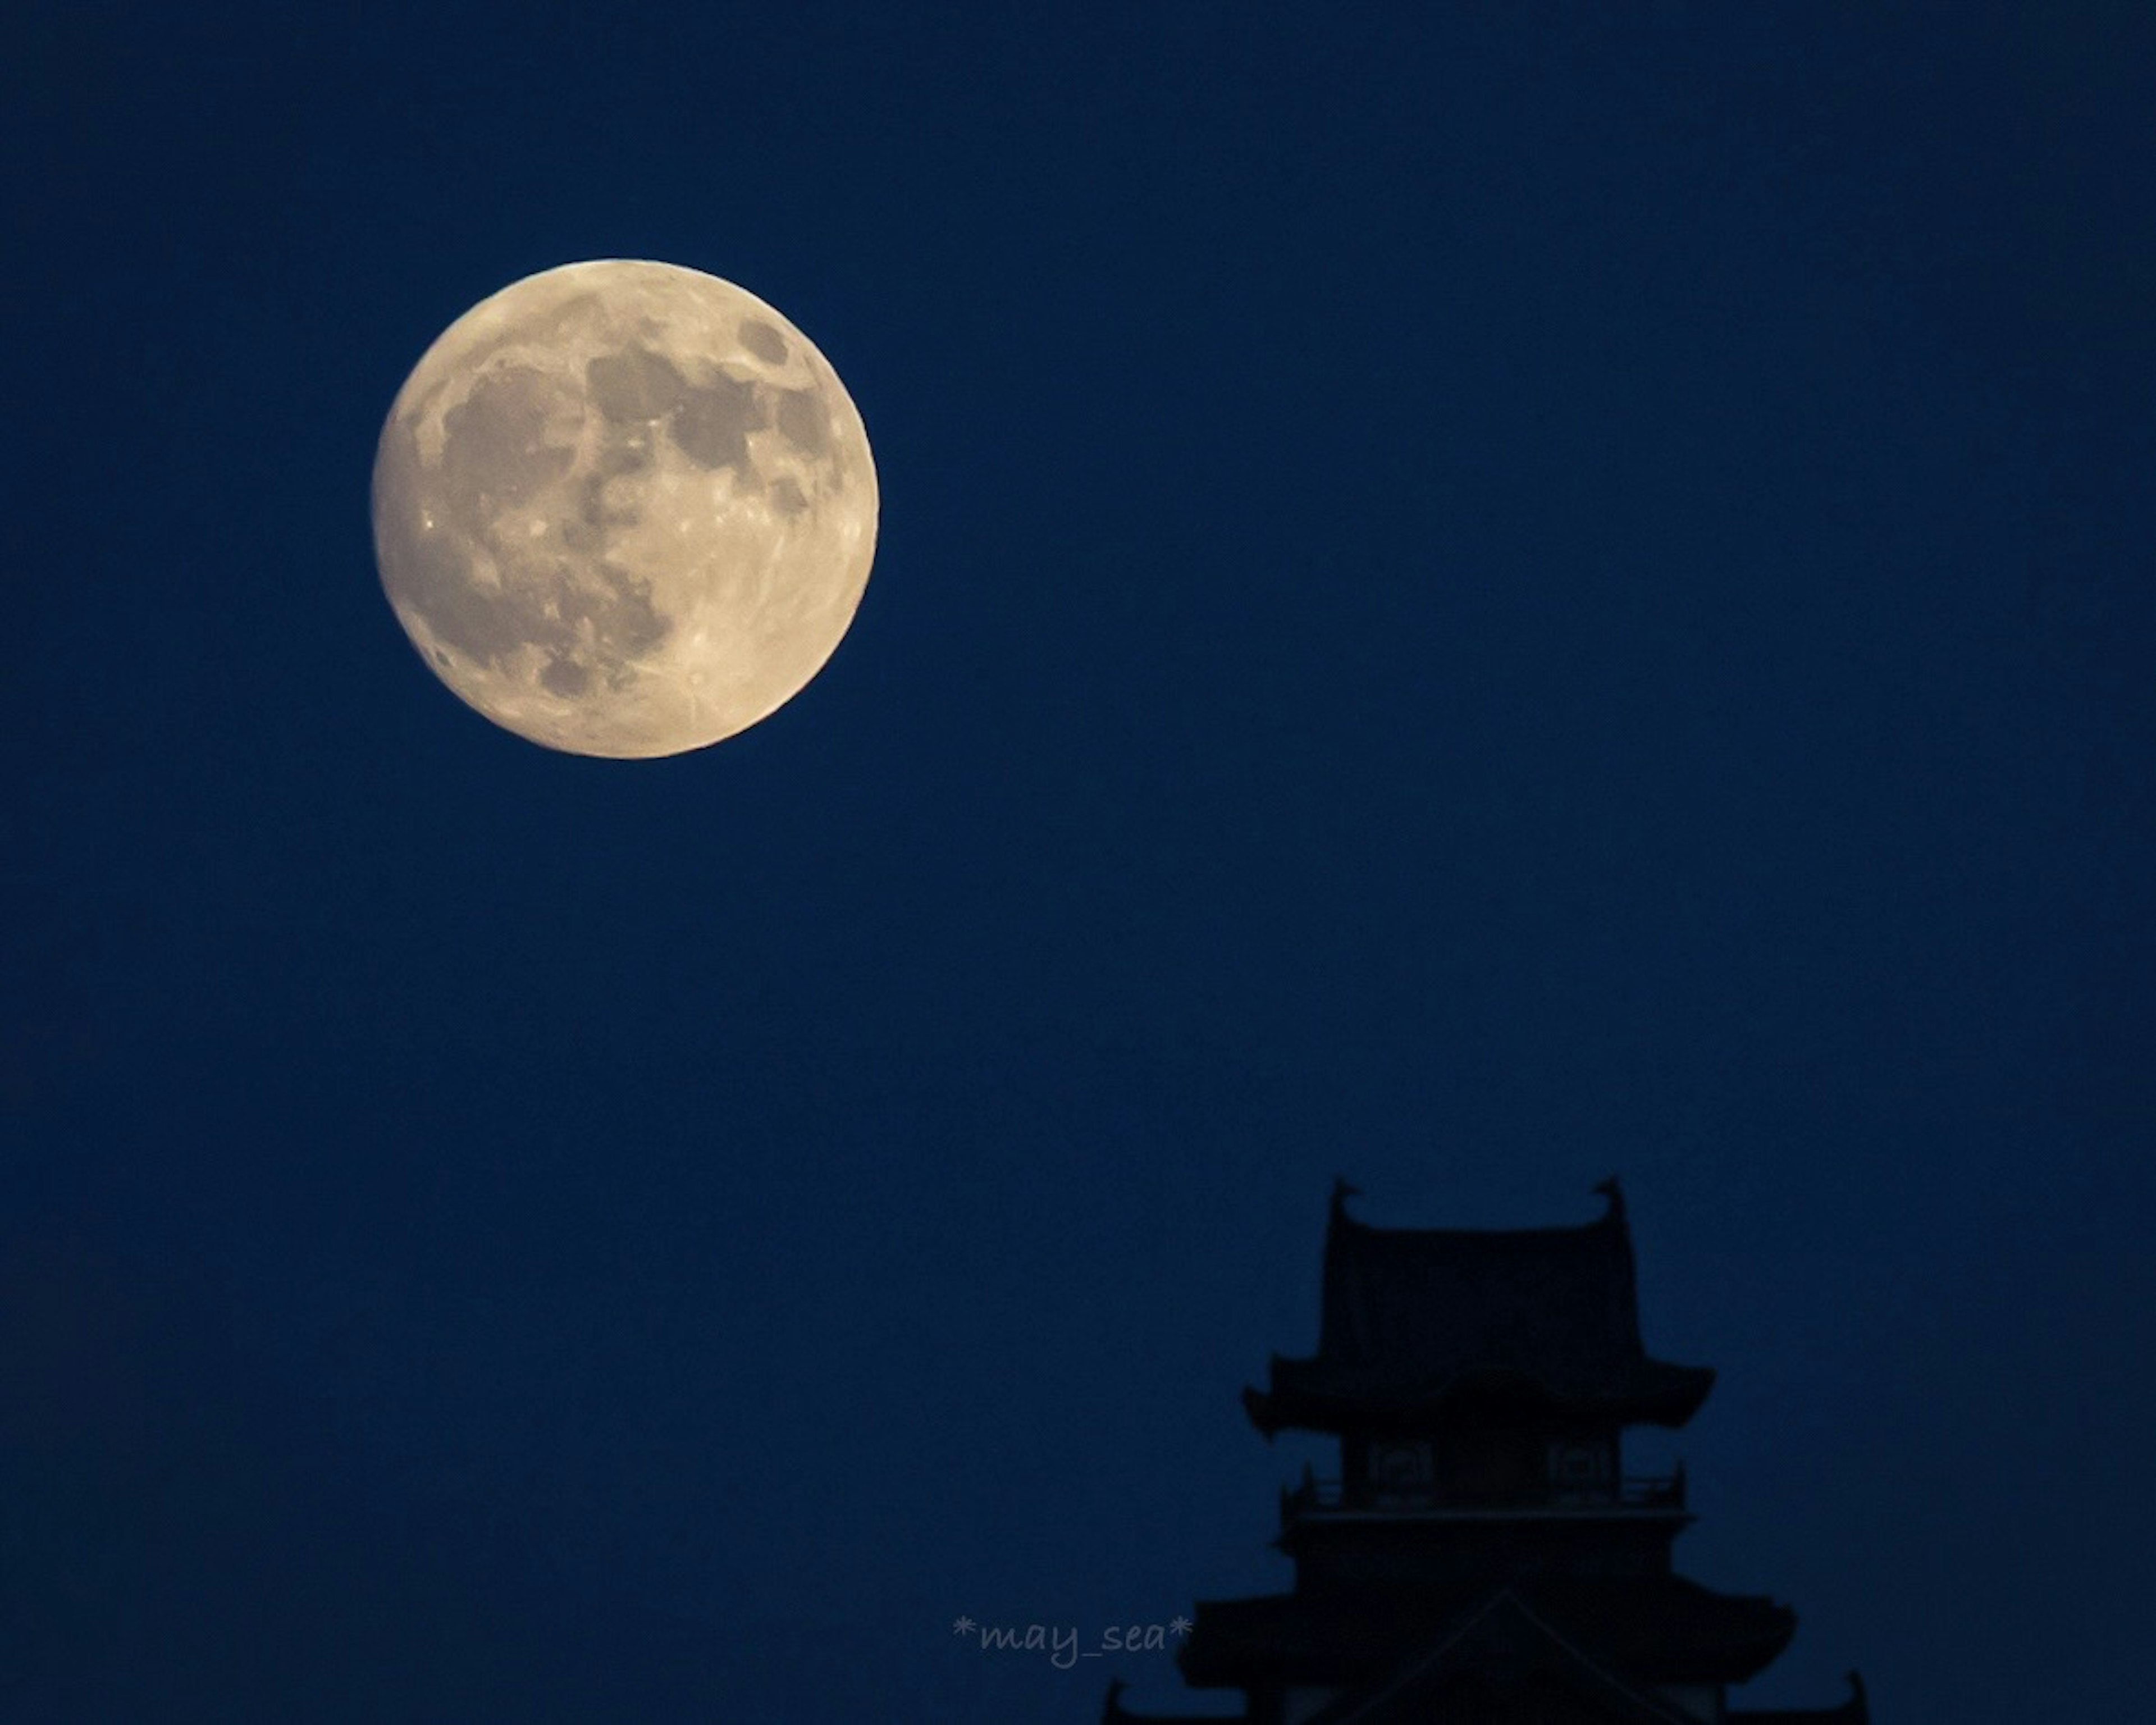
column 1632, row 1492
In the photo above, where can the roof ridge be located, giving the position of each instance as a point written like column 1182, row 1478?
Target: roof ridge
column 1429, row 1662
column 1609, row 1190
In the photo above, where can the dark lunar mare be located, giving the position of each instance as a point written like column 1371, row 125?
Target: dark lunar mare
column 504, row 444
column 496, row 456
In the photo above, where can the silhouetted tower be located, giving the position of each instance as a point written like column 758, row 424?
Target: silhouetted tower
column 1483, row 1557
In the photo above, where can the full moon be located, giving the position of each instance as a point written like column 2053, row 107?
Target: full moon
column 624, row 509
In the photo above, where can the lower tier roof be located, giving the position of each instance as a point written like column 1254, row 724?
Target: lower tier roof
column 1654, row 1629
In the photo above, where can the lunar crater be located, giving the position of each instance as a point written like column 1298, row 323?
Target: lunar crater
column 765, row 343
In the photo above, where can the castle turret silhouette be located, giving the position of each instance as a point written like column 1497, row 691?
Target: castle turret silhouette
column 1483, row 1557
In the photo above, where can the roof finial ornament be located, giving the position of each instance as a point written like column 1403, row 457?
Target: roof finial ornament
column 1615, row 1192
column 1341, row 1192
column 1859, row 1708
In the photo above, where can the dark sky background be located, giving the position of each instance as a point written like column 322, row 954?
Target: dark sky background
column 1473, row 598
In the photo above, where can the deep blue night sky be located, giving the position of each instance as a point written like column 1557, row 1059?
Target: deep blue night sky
column 1475, row 598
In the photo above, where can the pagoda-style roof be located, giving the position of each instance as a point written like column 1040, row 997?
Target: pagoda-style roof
column 1418, row 1322
column 1506, row 1657
column 1500, row 1659
column 1658, row 1628
column 1503, row 1660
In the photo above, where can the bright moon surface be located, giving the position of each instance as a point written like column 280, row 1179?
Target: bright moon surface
column 624, row 509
